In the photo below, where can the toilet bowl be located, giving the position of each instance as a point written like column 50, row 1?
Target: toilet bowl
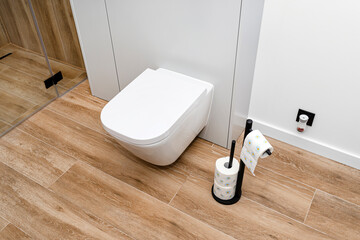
column 158, row 114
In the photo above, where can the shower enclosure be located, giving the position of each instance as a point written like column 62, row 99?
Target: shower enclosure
column 40, row 57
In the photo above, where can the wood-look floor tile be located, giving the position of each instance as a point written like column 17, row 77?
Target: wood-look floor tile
column 334, row 216
column 279, row 193
column 81, row 109
column 26, row 86
column 4, row 126
column 25, row 61
column 199, row 160
column 3, row 223
column 272, row 190
column 84, row 89
column 10, row 232
column 66, row 85
column 44, row 215
column 103, row 152
column 34, row 159
column 243, row 220
column 314, row 170
column 14, row 108
column 35, row 65
column 134, row 212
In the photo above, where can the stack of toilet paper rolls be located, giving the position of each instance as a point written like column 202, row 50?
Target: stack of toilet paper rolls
column 225, row 178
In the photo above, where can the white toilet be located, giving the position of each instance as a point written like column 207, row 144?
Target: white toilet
column 158, row 114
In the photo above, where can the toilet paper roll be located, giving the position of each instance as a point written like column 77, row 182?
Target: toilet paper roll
column 224, row 193
column 255, row 147
column 226, row 177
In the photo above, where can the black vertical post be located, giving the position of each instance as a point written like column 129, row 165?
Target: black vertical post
column 240, row 177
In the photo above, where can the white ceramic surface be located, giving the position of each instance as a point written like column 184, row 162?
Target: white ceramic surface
column 158, row 115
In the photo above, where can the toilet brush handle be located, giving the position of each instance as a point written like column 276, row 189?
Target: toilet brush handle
column 233, row 143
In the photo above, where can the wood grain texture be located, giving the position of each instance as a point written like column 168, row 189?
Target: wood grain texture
column 66, row 86
column 23, row 73
column 69, row 37
column 314, row 170
column 109, row 192
column 3, row 223
column 84, row 90
column 76, row 107
column 56, row 24
column 4, row 126
column 50, row 32
column 103, row 152
column 25, row 61
column 279, row 193
column 22, row 88
column 19, row 24
column 35, row 65
column 14, row 108
column 244, row 220
column 270, row 189
column 132, row 211
column 44, row 215
column 10, row 232
column 32, row 158
column 335, row 216
column 3, row 34
column 27, row 86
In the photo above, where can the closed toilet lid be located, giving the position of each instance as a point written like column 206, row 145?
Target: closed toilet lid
column 151, row 106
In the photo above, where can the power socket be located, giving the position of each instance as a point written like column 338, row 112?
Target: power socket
column 309, row 114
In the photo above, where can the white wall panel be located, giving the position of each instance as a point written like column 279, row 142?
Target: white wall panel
column 197, row 38
column 95, row 41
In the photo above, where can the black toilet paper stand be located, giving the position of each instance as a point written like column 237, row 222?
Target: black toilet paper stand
column 240, row 177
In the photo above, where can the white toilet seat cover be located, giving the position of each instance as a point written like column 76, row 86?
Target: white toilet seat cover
column 151, row 106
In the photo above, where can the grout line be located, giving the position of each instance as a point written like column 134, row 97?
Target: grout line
column 76, row 160
column 50, row 58
column 91, row 97
column 154, row 198
column 315, row 188
column 74, row 86
column 4, row 226
column 51, row 146
column 73, row 120
column 20, row 229
column 59, row 198
column 26, row 176
column 339, row 198
column 7, row 223
column 286, row 216
column 307, row 213
column 295, row 180
column 178, row 191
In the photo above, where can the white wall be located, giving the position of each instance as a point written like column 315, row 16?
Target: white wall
column 309, row 57
column 95, row 40
column 195, row 38
column 249, row 29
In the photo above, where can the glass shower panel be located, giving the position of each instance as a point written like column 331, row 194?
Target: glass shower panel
column 57, row 27
column 23, row 65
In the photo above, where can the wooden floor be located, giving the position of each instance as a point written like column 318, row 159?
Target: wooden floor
column 22, row 89
column 63, row 177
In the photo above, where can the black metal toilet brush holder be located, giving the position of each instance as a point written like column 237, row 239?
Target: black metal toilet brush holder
column 240, row 176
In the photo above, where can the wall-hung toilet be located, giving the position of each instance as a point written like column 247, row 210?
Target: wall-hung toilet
column 158, row 114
